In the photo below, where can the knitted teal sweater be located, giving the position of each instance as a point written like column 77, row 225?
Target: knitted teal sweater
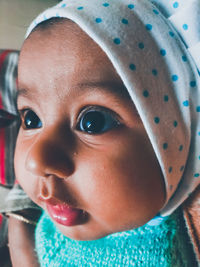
column 161, row 245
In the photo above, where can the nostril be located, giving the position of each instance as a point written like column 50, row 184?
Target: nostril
column 44, row 194
column 50, row 200
column 49, row 188
column 44, row 190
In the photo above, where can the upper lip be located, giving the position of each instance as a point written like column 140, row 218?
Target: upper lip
column 54, row 201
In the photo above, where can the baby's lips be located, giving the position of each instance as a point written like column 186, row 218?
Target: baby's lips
column 64, row 214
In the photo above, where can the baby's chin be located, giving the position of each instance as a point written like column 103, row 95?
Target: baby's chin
column 89, row 231
column 82, row 232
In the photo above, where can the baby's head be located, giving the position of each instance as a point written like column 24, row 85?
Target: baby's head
column 88, row 152
column 82, row 141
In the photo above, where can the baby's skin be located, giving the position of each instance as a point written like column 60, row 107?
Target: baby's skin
column 82, row 152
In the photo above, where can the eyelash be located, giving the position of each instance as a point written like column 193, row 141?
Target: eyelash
column 96, row 119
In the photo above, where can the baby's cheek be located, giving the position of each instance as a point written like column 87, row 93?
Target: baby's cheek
column 22, row 176
column 110, row 194
column 134, row 187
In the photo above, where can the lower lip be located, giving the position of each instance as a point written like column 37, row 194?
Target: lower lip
column 65, row 215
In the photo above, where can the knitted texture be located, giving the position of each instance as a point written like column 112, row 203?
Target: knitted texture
column 162, row 245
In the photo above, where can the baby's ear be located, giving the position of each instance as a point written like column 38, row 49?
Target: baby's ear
column 6, row 118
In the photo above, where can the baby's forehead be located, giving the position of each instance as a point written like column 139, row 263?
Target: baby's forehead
column 60, row 44
column 64, row 35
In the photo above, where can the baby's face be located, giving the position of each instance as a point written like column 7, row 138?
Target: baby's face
column 82, row 152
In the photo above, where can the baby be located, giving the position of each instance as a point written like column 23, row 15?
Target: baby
column 108, row 98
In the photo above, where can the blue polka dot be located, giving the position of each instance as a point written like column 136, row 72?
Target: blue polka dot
column 131, row 6
column 63, row 5
column 174, row 77
column 106, row 4
column 180, row 148
column 192, row 83
column 117, row 41
column 132, row 66
column 186, row 103
column 199, row 133
column 155, row 11
column 198, row 108
column 165, row 146
column 154, row 72
column 170, row 169
column 149, row 27
column 175, row 123
column 196, row 175
column 124, row 21
column 163, row 52
column 166, row 98
column 199, row 157
column 185, row 27
column 145, row 93
column 57, row 15
column 171, row 34
column 184, row 58
column 156, row 120
column 182, row 168
column 80, row 7
column 175, row 5
column 141, row 45
column 98, row 20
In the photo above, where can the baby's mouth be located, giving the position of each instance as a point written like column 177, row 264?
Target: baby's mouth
column 65, row 215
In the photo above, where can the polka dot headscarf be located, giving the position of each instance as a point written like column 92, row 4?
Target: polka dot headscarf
column 155, row 47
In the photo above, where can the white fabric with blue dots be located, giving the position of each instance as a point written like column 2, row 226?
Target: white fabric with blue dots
column 155, row 48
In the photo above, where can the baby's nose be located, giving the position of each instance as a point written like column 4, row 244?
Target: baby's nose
column 47, row 157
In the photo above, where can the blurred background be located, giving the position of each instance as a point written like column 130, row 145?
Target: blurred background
column 15, row 16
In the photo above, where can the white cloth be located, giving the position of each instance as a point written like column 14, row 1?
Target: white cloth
column 155, row 48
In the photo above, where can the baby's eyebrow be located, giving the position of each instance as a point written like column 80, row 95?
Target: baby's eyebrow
column 113, row 87
column 24, row 92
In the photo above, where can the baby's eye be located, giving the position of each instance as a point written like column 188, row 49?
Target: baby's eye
column 97, row 120
column 30, row 120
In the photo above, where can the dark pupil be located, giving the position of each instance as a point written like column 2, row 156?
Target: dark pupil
column 31, row 120
column 93, row 122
